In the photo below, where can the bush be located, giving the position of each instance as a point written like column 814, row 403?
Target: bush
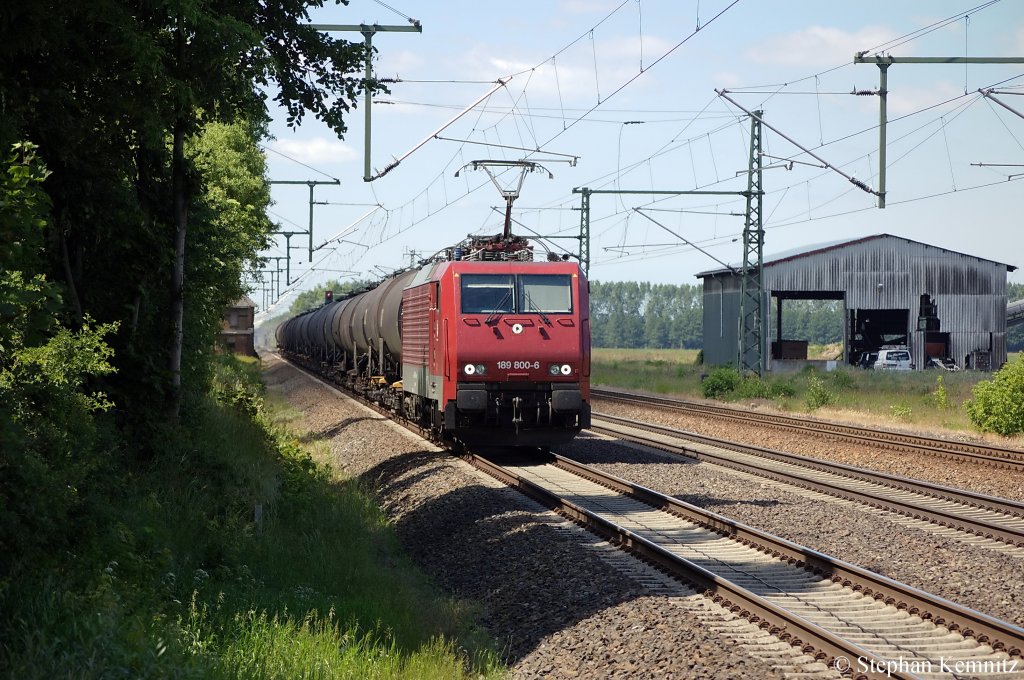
column 901, row 411
column 753, row 387
column 784, row 388
column 722, row 381
column 818, row 393
column 842, row 380
column 940, row 397
column 998, row 404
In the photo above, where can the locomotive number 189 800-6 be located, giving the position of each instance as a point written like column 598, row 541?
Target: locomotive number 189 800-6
column 516, row 365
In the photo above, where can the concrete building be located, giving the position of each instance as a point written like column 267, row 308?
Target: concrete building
column 236, row 333
column 893, row 292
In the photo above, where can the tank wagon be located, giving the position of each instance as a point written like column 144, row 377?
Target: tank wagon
column 490, row 348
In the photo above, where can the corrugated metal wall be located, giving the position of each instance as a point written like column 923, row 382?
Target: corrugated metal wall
column 886, row 272
column 721, row 319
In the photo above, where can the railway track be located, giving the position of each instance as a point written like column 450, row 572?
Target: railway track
column 988, row 518
column 835, row 612
column 887, row 439
column 848, row 617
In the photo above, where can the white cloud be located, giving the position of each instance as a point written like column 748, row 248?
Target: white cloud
column 571, row 76
column 316, row 150
column 817, row 46
column 396, row 62
column 905, row 99
column 586, row 6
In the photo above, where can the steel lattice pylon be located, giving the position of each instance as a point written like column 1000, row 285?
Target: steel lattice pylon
column 751, row 340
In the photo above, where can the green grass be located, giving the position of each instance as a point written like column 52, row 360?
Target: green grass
column 882, row 397
column 185, row 582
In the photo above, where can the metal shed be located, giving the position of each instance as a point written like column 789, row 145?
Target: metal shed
column 893, row 292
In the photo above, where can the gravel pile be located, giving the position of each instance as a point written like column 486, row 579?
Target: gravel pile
column 962, row 475
column 558, row 607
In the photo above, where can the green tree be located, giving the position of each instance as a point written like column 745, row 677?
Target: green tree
column 231, row 228
column 311, row 299
column 632, row 314
column 998, row 404
column 111, row 92
column 47, row 390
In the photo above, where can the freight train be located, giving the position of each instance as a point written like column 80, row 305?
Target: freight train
column 481, row 345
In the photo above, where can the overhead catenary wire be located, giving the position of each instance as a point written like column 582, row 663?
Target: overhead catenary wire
column 523, row 111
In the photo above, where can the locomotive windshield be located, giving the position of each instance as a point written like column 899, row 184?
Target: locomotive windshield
column 488, row 293
column 545, row 293
column 524, row 294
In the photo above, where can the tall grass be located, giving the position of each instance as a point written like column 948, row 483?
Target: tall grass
column 880, row 397
column 187, row 582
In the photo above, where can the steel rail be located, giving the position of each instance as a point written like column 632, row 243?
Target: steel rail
column 717, row 451
column 798, row 631
column 810, row 638
column 878, row 438
column 987, row 630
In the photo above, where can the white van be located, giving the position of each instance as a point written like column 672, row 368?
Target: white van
column 894, row 360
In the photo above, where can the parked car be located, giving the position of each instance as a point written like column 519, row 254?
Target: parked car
column 894, row 360
column 868, row 359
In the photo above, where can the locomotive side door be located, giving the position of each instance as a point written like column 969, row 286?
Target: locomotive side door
column 435, row 380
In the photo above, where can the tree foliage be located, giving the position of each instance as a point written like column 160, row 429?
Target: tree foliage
column 631, row 314
column 998, row 404
column 122, row 122
column 47, row 383
column 109, row 91
column 313, row 298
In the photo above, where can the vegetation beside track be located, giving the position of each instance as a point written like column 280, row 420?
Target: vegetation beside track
column 929, row 399
column 229, row 552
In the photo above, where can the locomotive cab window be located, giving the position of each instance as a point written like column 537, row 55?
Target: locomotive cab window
column 545, row 293
column 487, row 293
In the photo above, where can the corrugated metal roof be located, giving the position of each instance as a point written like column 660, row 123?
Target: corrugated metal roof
column 817, row 248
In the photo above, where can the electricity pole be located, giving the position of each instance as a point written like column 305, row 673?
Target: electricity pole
column 311, row 183
column 752, row 277
column 368, row 32
column 883, row 63
column 751, row 332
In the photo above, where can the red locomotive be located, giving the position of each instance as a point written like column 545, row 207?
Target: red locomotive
column 486, row 348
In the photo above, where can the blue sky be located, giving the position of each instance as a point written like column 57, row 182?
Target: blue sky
column 628, row 88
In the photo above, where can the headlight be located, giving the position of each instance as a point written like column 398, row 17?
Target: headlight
column 474, row 369
column 480, row 369
column 566, row 369
column 554, row 369
column 470, row 369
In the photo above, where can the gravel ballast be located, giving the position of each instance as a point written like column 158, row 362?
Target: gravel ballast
column 962, row 475
column 556, row 604
column 985, row 579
